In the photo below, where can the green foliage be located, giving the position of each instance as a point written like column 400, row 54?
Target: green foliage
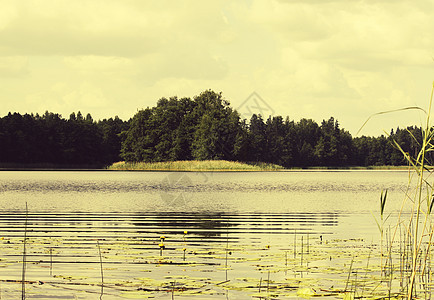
column 217, row 127
column 183, row 129
column 50, row 139
column 202, row 128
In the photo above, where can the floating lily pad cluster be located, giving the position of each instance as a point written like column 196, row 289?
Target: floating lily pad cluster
column 175, row 264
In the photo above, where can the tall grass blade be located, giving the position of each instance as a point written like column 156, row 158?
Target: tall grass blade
column 23, row 273
column 349, row 275
column 430, row 205
column 414, row 260
column 102, row 274
column 419, row 236
column 388, row 112
column 382, row 202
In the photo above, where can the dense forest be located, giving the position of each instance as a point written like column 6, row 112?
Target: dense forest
column 52, row 140
column 205, row 127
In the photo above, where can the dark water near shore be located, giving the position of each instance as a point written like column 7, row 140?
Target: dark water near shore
column 127, row 212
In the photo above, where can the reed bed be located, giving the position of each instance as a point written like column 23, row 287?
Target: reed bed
column 195, row 165
column 411, row 235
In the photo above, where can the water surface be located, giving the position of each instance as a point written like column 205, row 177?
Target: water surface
column 127, row 212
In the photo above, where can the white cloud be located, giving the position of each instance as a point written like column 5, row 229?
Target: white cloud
column 100, row 64
column 12, row 66
column 64, row 98
column 87, row 96
column 78, row 28
column 8, row 12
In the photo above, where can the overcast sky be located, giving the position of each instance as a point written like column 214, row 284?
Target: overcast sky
column 306, row 58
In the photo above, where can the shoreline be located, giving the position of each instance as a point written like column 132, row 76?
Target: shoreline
column 401, row 169
column 189, row 166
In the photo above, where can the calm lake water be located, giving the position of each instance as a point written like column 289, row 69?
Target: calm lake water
column 241, row 228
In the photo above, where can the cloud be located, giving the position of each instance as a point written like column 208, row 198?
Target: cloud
column 77, row 28
column 7, row 13
column 312, row 58
column 110, row 65
column 65, row 98
column 13, row 66
column 146, row 41
column 189, row 64
column 104, row 28
column 293, row 21
column 43, row 39
column 363, row 35
column 183, row 63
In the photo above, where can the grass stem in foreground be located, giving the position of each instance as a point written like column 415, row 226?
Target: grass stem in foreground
column 23, row 273
column 102, row 274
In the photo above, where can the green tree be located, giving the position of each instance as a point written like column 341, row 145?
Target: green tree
column 205, row 144
column 257, row 138
column 334, row 146
column 307, row 134
column 216, row 131
column 137, row 144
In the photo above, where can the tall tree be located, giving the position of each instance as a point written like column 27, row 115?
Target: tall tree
column 214, row 137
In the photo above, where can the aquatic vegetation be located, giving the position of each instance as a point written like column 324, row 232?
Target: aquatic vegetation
column 414, row 222
column 195, row 165
column 380, row 224
column 161, row 245
column 343, row 268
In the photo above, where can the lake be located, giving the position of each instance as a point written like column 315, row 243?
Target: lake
column 227, row 235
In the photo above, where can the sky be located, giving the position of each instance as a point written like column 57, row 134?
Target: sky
column 298, row 58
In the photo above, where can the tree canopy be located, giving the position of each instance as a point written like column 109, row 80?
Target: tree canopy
column 51, row 139
column 205, row 127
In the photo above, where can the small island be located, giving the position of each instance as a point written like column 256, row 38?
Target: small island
column 194, row 165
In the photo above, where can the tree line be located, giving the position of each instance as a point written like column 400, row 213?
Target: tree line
column 52, row 140
column 205, row 127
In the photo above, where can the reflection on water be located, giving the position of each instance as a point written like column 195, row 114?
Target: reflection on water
column 127, row 212
column 137, row 225
column 67, row 241
column 100, row 182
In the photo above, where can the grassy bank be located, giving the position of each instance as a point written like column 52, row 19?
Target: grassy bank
column 208, row 165
column 195, row 165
